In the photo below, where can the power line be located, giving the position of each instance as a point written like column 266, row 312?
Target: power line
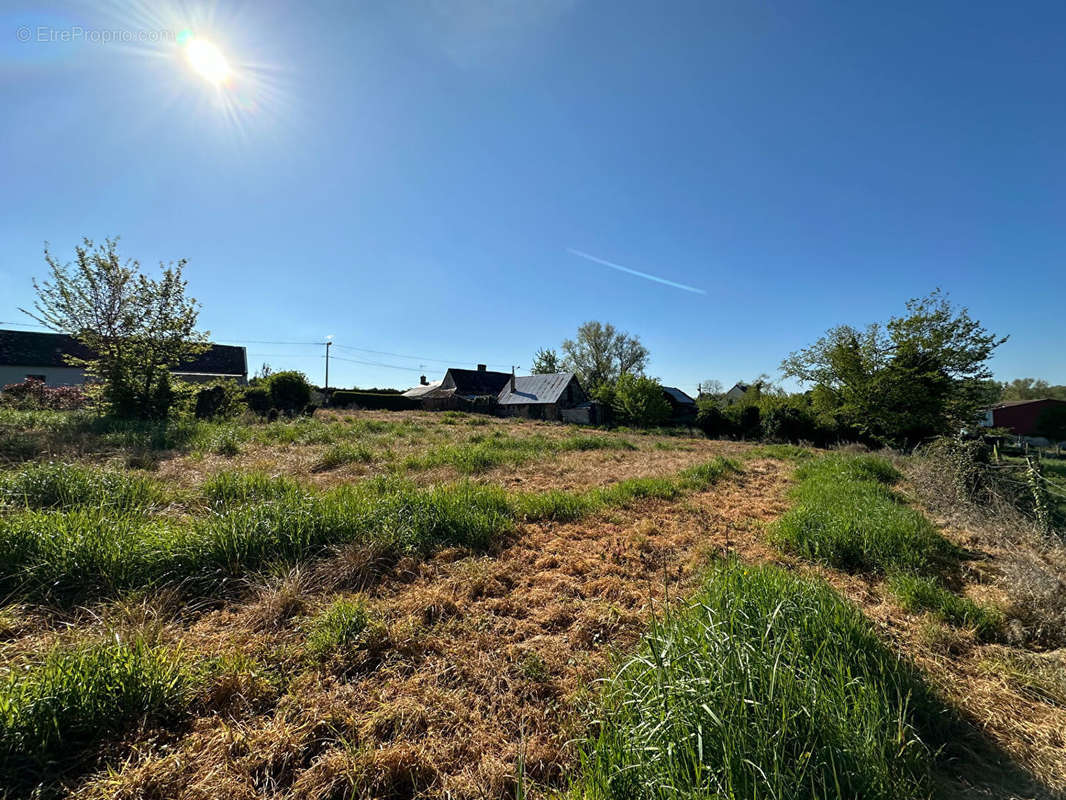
column 374, row 364
column 415, row 358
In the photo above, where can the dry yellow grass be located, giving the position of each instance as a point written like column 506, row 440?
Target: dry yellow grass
column 488, row 658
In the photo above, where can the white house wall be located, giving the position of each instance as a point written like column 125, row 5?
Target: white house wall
column 53, row 376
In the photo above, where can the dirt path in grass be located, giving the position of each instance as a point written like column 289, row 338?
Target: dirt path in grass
column 485, row 664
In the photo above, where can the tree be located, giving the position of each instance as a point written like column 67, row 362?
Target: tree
column 1031, row 389
column 919, row 375
column 547, row 362
column 599, row 354
column 711, row 388
column 135, row 327
column 639, row 401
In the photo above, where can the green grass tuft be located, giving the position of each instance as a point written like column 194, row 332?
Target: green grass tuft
column 68, row 486
column 917, row 593
column 848, row 517
column 339, row 626
column 768, row 685
column 234, row 488
column 54, row 710
column 343, row 453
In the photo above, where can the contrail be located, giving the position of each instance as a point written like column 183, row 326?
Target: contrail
column 620, row 268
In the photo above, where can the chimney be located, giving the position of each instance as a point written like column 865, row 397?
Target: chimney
column 422, row 380
column 481, row 368
column 512, row 380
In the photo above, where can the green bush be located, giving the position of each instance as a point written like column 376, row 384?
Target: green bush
column 917, row 593
column 54, row 710
column 846, row 516
column 222, row 398
column 768, row 685
column 257, row 398
column 289, row 391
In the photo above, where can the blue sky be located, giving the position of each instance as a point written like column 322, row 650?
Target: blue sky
column 418, row 178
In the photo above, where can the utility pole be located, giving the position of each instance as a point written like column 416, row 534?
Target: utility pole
column 329, row 343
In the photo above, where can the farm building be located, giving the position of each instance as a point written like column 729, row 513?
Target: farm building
column 43, row 356
column 532, row 396
column 1021, row 417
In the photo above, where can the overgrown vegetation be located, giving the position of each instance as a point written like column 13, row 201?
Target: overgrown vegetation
column 70, row 486
column 917, row 593
column 53, row 710
column 847, row 516
column 339, row 626
column 956, row 479
column 484, row 452
column 86, row 552
column 767, row 685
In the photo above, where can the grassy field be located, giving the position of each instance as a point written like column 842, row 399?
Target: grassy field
column 408, row 604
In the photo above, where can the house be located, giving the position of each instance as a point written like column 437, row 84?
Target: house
column 424, row 387
column 541, row 396
column 532, row 396
column 735, row 394
column 43, row 356
column 681, row 405
column 1021, row 417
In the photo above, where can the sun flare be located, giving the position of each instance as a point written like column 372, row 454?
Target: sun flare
column 208, row 61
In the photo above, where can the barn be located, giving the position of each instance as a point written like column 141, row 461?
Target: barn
column 1021, row 417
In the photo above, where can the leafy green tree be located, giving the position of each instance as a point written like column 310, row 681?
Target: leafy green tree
column 136, row 327
column 600, row 353
column 547, row 362
column 922, row 374
column 639, row 400
column 1031, row 389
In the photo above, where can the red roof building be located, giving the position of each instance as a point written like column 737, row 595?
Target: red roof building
column 1020, row 416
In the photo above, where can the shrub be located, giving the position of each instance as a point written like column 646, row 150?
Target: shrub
column 289, row 391
column 713, row 422
column 768, row 685
column 54, row 710
column 846, row 516
column 35, row 395
column 218, row 399
column 918, row 593
column 257, row 398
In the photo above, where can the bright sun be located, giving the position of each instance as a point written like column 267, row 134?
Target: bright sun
column 208, row 60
